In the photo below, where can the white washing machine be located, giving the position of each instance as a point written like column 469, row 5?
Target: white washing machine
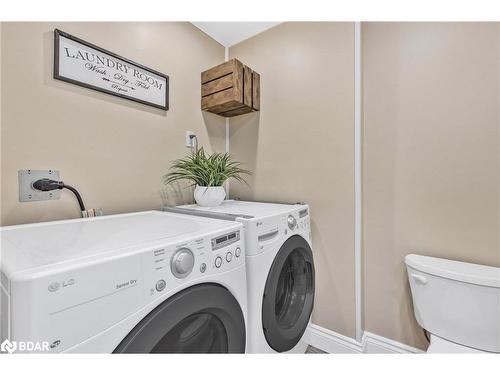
column 148, row 282
column 280, row 270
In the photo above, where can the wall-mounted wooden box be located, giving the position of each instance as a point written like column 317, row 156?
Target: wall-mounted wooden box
column 230, row 89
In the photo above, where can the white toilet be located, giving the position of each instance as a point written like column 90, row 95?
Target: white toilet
column 457, row 303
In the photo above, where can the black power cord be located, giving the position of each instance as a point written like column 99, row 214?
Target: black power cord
column 46, row 184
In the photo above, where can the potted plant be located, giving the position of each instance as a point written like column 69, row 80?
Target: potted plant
column 208, row 173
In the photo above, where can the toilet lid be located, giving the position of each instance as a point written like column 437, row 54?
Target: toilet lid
column 455, row 270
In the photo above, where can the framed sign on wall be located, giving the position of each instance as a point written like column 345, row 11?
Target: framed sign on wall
column 81, row 63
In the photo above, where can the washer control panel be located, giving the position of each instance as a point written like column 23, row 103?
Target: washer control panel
column 298, row 221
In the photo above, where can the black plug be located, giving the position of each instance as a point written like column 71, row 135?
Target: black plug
column 46, row 184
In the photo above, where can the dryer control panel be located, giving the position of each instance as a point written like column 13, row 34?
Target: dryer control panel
column 225, row 240
column 174, row 266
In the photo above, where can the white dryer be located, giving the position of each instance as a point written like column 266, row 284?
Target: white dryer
column 280, row 270
column 148, row 282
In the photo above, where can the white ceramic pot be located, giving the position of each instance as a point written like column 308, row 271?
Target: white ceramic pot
column 209, row 196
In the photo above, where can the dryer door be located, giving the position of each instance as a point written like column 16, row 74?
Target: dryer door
column 288, row 295
column 204, row 318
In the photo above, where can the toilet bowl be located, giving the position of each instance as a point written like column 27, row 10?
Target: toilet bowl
column 457, row 303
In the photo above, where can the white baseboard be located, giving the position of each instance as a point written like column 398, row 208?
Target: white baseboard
column 332, row 342
column 329, row 341
column 373, row 343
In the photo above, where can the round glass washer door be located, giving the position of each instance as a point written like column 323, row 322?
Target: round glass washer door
column 204, row 318
column 288, row 295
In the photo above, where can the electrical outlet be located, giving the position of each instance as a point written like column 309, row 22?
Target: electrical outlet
column 189, row 140
column 26, row 177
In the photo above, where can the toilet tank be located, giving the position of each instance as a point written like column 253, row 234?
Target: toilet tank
column 457, row 301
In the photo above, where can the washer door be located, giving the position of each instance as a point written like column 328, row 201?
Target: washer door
column 204, row 318
column 289, row 295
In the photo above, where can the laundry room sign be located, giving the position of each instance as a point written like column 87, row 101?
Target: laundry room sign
column 84, row 64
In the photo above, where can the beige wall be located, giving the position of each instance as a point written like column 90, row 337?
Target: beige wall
column 113, row 150
column 431, row 158
column 300, row 146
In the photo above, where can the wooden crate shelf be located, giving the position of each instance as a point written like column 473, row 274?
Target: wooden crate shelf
column 230, row 89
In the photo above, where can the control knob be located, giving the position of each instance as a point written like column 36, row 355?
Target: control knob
column 182, row 263
column 292, row 222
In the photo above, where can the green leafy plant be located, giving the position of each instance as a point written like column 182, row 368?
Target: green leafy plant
column 205, row 170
